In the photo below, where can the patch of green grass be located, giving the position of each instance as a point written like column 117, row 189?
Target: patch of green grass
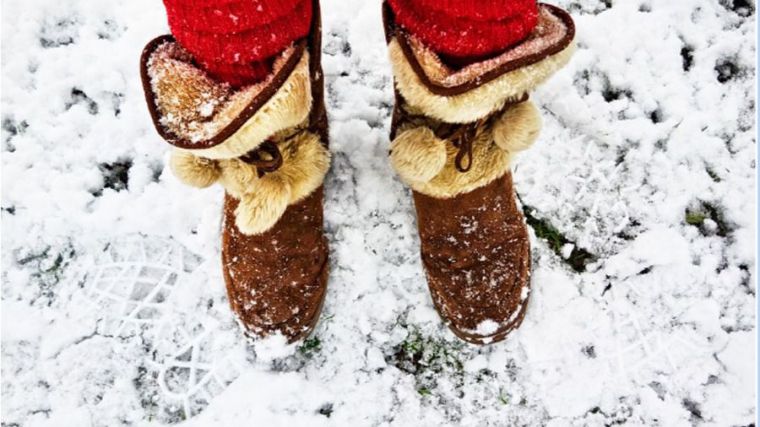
column 578, row 258
column 702, row 211
column 310, row 346
column 504, row 399
column 413, row 345
column 427, row 358
column 418, row 353
column 545, row 231
column 695, row 218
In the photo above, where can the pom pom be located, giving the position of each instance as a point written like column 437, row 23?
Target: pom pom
column 418, row 155
column 238, row 177
column 193, row 170
column 517, row 129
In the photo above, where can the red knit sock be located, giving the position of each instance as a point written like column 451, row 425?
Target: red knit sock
column 465, row 31
column 236, row 40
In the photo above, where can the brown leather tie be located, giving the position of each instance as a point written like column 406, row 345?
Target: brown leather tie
column 462, row 139
column 263, row 165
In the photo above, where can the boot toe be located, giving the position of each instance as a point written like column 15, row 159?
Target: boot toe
column 277, row 281
column 476, row 253
column 482, row 304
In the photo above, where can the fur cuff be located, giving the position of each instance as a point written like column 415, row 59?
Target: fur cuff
column 194, row 112
column 264, row 199
column 478, row 102
column 475, row 91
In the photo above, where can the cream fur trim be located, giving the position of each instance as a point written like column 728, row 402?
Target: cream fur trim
column 489, row 162
column 518, row 128
column 262, row 200
column 478, row 102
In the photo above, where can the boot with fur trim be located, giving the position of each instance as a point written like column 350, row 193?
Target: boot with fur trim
column 453, row 135
column 266, row 144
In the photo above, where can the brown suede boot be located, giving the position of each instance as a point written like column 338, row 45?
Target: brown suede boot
column 266, row 144
column 454, row 133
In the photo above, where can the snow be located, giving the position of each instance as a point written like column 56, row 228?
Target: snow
column 113, row 305
column 487, row 327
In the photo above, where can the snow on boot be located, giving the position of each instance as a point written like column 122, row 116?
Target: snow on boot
column 266, row 144
column 454, row 133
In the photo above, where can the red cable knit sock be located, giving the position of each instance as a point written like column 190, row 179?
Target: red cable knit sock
column 465, row 31
column 236, row 41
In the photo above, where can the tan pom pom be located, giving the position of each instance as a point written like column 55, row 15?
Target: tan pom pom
column 193, row 170
column 517, row 129
column 260, row 210
column 238, row 177
column 418, row 155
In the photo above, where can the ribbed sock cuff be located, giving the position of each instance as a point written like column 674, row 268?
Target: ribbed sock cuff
column 236, row 40
column 464, row 31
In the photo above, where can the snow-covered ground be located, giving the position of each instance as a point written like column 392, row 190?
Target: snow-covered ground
column 113, row 305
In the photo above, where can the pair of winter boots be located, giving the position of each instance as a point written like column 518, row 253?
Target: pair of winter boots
column 454, row 133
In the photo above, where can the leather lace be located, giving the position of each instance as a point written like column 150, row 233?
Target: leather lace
column 462, row 138
column 265, row 158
